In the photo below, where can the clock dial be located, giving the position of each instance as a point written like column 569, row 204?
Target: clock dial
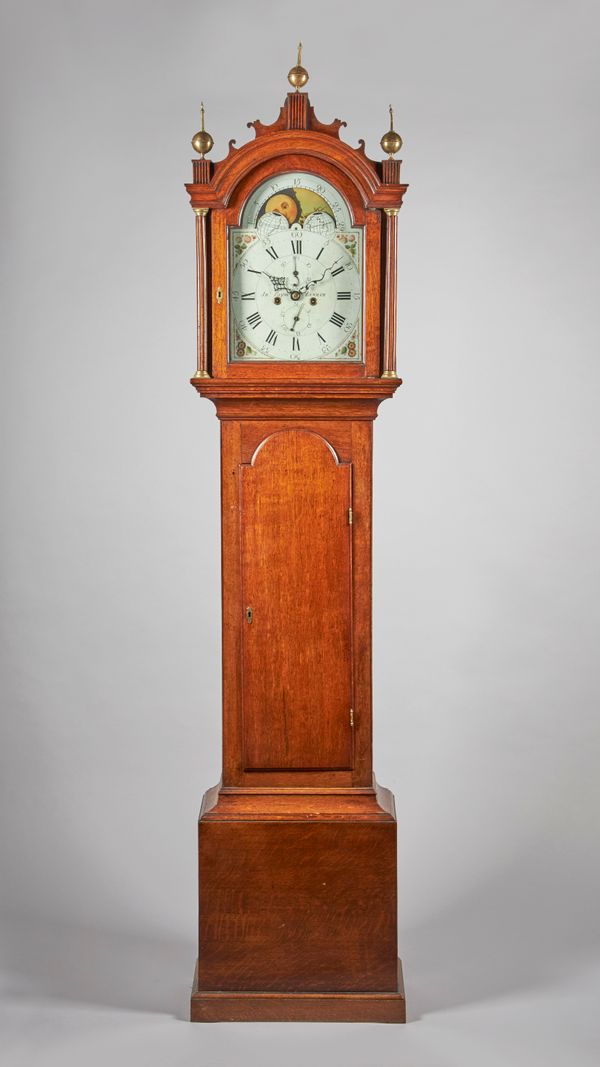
column 295, row 275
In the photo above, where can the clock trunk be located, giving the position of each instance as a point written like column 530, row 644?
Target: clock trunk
column 296, row 610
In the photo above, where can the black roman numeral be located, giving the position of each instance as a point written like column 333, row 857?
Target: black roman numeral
column 297, row 246
column 344, row 296
column 338, row 270
column 295, row 344
column 254, row 320
column 321, row 338
column 252, row 271
column 250, row 296
column 337, row 319
column 320, row 253
column 272, row 338
column 273, row 254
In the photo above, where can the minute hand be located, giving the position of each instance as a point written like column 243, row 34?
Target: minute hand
column 315, row 281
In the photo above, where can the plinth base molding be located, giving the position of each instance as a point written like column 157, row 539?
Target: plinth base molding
column 235, row 1007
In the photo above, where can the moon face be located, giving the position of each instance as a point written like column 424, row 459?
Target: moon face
column 295, row 195
column 295, row 274
column 284, row 205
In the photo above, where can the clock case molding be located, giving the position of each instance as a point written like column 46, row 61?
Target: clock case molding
column 297, row 862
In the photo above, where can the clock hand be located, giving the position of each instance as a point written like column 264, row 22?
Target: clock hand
column 300, row 308
column 278, row 283
column 315, row 281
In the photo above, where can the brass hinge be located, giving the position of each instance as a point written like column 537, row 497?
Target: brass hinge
column 349, row 516
column 352, row 717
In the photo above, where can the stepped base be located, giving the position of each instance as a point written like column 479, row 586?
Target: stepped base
column 229, row 1006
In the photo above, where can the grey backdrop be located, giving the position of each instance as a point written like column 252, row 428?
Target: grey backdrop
column 486, row 519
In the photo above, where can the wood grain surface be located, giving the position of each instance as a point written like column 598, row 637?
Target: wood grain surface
column 286, row 488
column 210, row 1006
column 298, row 906
column 297, row 698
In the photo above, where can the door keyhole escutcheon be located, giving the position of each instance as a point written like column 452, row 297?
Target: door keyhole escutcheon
column 248, row 615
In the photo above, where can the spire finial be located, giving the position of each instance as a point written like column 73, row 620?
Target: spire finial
column 298, row 75
column 391, row 142
column 202, row 141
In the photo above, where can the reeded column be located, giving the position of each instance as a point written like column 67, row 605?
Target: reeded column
column 201, row 295
column 389, row 326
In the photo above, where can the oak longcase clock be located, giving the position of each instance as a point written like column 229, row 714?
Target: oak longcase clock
column 296, row 302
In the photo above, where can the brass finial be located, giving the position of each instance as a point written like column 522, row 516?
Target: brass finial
column 391, row 142
column 298, row 76
column 202, row 141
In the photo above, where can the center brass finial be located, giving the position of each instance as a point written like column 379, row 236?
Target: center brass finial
column 298, row 75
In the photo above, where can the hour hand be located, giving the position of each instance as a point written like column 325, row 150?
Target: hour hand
column 278, row 283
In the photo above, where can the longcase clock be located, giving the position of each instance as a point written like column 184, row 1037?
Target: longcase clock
column 296, row 301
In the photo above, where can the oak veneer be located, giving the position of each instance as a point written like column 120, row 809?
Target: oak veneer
column 297, row 844
column 218, row 1006
column 295, row 499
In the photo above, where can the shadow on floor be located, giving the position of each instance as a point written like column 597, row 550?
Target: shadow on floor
column 526, row 927
column 41, row 958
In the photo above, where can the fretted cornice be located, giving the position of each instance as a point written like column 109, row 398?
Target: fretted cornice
column 297, row 113
column 297, row 129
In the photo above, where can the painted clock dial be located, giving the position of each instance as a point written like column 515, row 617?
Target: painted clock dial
column 296, row 275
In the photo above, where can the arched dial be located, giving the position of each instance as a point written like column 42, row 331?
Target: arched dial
column 296, row 276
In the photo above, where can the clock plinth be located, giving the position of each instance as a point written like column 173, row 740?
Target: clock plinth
column 297, row 844
column 298, row 907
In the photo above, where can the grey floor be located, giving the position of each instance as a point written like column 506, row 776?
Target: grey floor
column 479, row 993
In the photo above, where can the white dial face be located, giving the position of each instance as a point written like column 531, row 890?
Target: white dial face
column 295, row 275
